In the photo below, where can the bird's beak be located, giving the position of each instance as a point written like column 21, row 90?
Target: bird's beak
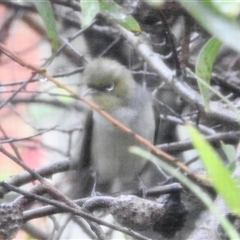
column 89, row 92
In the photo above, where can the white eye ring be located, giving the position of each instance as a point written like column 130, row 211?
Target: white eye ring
column 109, row 87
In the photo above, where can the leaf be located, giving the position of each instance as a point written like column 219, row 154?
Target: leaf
column 45, row 10
column 230, row 152
column 224, row 28
column 89, row 11
column 204, row 67
column 218, row 173
column 155, row 4
column 228, row 8
column 118, row 14
column 229, row 104
column 62, row 95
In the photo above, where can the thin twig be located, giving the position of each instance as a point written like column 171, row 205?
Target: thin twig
column 116, row 123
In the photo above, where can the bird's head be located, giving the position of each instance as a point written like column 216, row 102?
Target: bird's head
column 109, row 83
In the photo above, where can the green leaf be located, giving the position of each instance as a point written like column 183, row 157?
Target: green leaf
column 155, row 4
column 218, row 173
column 118, row 14
column 204, row 67
column 227, row 226
column 45, row 10
column 63, row 95
column 217, row 93
column 230, row 152
column 224, row 28
column 6, row 171
column 230, row 9
column 39, row 113
column 89, row 11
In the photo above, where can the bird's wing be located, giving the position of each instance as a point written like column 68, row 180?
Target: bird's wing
column 85, row 154
column 82, row 176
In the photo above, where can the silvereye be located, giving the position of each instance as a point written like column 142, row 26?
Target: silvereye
column 112, row 87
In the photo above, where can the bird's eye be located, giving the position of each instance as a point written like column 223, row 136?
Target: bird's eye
column 108, row 87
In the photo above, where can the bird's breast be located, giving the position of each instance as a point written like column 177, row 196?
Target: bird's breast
column 110, row 155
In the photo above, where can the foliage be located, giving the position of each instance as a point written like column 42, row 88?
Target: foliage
column 162, row 42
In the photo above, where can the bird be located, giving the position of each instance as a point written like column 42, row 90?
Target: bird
column 112, row 87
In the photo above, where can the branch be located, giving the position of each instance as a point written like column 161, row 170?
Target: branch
column 217, row 109
column 116, row 123
column 26, row 177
